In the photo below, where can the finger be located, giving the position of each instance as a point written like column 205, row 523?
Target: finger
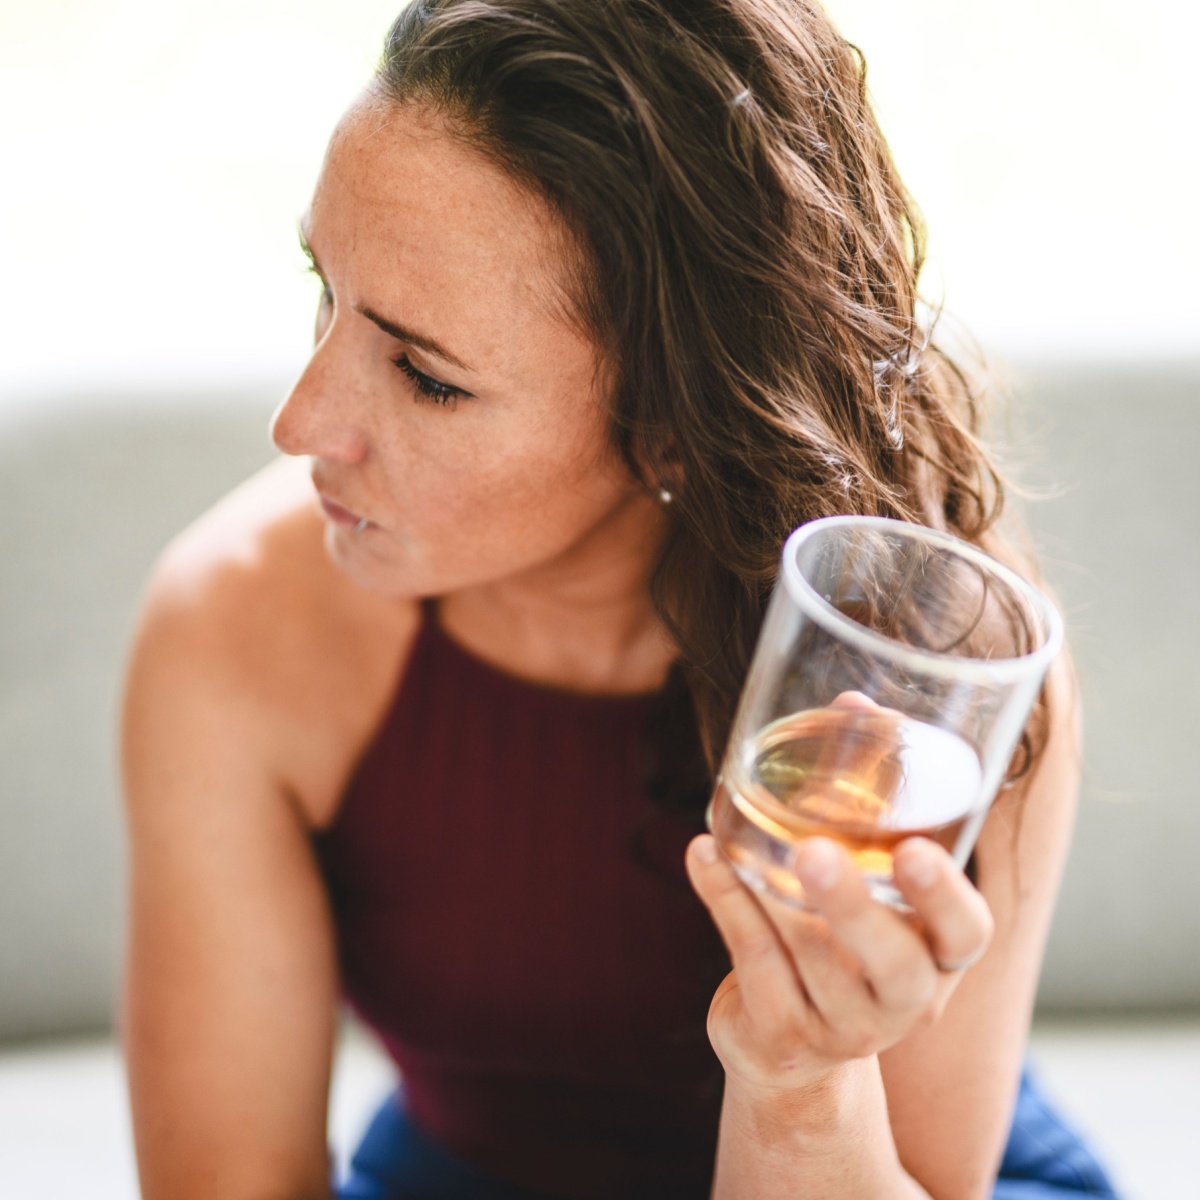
column 767, row 979
column 896, row 961
column 831, row 974
column 958, row 923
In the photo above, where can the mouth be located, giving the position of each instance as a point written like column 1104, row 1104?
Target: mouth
column 340, row 515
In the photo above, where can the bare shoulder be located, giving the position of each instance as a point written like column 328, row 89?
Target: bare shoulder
column 249, row 631
column 256, row 676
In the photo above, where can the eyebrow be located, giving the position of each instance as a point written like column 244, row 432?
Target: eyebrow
column 403, row 334
column 400, row 332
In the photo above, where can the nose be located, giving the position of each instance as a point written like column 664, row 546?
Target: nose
column 319, row 416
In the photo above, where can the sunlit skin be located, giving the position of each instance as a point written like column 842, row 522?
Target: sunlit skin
column 269, row 649
column 511, row 490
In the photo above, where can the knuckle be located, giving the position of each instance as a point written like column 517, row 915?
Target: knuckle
column 925, row 991
column 798, row 1028
column 914, row 992
column 928, row 1017
column 722, row 881
column 755, row 945
column 898, row 964
column 858, row 1042
column 720, row 892
column 862, row 930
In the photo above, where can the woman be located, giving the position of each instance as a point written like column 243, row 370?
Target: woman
column 615, row 295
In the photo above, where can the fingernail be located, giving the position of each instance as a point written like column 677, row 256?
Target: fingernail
column 921, row 866
column 818, row 865
column 705, row 849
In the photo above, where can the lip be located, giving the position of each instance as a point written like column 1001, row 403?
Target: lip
column 339, row 514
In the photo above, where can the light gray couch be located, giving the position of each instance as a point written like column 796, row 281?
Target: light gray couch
column 90, row 492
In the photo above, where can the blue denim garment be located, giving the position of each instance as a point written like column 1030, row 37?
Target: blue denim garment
column 1044, row 1160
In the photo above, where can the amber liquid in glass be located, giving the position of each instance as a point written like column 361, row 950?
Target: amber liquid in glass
column 865, row 777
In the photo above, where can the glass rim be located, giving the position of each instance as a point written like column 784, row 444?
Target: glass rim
column 932, row 662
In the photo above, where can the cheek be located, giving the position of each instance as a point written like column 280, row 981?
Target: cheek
column 543, row 489
column 484, row 496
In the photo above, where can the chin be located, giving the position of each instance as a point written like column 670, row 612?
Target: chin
column 355, row 560
column 367, row 562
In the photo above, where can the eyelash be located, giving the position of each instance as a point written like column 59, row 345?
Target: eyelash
column 326, row 294
column 430, row 388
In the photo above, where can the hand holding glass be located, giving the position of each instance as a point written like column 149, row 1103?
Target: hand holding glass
column 895, row 672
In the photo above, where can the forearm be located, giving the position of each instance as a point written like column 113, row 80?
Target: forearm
column 829, row 1140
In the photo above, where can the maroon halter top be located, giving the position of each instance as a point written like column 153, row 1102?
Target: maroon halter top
column 541, row 983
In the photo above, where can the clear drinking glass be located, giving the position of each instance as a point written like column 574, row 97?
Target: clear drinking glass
column 894, row 674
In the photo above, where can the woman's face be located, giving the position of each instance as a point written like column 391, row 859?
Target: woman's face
column 449, row 401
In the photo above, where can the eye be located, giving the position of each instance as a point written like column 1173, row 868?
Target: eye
column 432, row 389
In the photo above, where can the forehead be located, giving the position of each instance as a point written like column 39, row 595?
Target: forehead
column 420, row 218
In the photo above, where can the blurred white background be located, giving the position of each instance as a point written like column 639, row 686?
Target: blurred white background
column 155, row 158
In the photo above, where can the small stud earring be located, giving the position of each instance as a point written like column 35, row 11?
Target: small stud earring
column 664, row 496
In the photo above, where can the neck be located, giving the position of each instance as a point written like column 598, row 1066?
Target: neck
column 584, row 620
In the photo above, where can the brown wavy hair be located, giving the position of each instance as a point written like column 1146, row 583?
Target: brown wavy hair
column 749, row 264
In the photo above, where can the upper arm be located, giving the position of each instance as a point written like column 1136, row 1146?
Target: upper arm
column 231, row 983
column 951, row 1086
